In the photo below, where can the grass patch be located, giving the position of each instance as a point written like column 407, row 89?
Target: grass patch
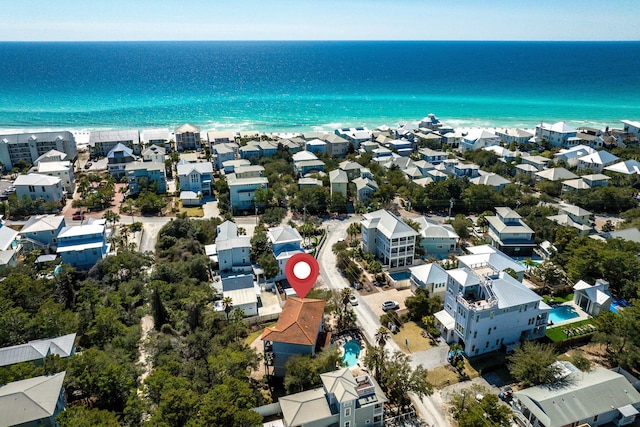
column 442, row 376
column 195, row 211
column 254, row 335
column 557, row 334
column 412, row 333
column 557, row 299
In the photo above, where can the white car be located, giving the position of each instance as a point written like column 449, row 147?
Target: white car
column 353, row 300
column 390, row 305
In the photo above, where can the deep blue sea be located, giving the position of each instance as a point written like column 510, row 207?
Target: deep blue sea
column 292, row 86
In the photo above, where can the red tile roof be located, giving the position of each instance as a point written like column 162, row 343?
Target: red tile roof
column 299, row 322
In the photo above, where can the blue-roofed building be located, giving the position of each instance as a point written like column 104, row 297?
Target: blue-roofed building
column 286, row 242
column 81, row 246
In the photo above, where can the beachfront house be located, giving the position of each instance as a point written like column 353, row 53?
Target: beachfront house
column 555, row 134
column 33, row 401
column 154, row 153
column 81, row 246
column 519, row 136
column 388, row 238
column 222, row 153
column 487, row 310
column 339, row 181
column 632, row 127
column 221, row 137
column 316, row 146
column 117, row 159
column 37, row 186
column 42, row 230
column 299, row 330
column 596, row 398
column 27, row 147
column 36, row 351
column 286, row 242
column 343, row 400
column 242, row 186
column 160, row 137
column 355, row 136
column 102, row 142
column 509, row 233
column 187, row 137
column 195, row 177
column 430, row 277
column 146, row 176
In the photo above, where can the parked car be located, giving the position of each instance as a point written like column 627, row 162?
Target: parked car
column 77, row 216
column 88, row 165
column 390, row 305
column 353, row 300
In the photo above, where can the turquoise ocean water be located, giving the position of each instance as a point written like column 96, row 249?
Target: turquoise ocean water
column 294, row 86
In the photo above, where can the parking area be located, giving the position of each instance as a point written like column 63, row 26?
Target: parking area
column 376, row 299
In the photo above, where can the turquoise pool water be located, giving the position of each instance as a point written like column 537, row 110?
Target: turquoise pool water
column 562, row 313
column 400, row 275
column 351, row 353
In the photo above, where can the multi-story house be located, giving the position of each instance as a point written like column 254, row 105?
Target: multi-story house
column 628, row 167
column 33, row 401
column 597, row 161
column 222, row 153
column 486, row 310
column 510, row 234
column 337, row 146
column 351, row 168
column 37, row 186
column 195, row 177
column 286, row 242
column 27, row 147
column 62, row 170
column 365, row 187
column 221, row 137
column 81, row 246
column 154, row 153
column 388, row 238
column 434, row 157
column 42, row 230
column 557, row 134
column 355, row 136
column 339, row 182
column 242, row 186
column 632, row 127
column 305, row 162
column 431, row 277
column 343, row 400
column 437, row 239
column 117, row 159
column 232, row 251
column 478, row 138
column 430, row 122
column 316, row 146
column 571, row 155
column 160, row 137
column 102, row 142
column 519, row 136
column 298, row 331
column 491, row 179
column 146, row 175
column 187, row 137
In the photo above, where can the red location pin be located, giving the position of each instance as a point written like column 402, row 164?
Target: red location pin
column 302, row 271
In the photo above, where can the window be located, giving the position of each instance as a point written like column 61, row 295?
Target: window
column 475, row 334
column 347, row 412
column 489, row 333
column 32, row 189
column 347, row 424
column 487, row 345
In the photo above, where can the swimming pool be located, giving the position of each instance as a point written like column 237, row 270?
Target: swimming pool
column 562, row 313
column 399, row 276
column 351, row 353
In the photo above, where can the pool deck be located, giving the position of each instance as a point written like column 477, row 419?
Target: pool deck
column 581, row 314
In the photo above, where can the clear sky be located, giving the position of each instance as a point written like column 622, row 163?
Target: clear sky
column 319, row 20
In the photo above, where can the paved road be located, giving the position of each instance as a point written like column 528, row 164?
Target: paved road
column 429, row 408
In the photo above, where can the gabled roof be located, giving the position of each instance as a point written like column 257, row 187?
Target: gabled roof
column 30, row 400
column 81, row 230
column 304, row 155
column 510, row 292
column 556, row 174
column 361, row 183
column 627, row 167
column 120, row 148
column 305, row 407
column 580, row 398
column 562, row 127
column 479, row 134
column 341, row 384
column 38, row 223
column 51, row 156
column 575, row 210
column 599, row 158
column 298, row 323
column 286, row 234
column 154, row 150
column 38, row 349
column 199, row 167
column 114, row 135
column 388, row 224
column 433, row 229
column 349, row 165
column 227, row 230
column 187, row 128
column 492, row 179
column 577, row 184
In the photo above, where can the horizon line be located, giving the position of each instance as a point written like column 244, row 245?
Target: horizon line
column 332, row 40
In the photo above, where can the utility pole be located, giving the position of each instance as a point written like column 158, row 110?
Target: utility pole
column 450, row 207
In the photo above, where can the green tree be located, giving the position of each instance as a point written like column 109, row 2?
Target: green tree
column 303, row 371
column 81, row 416
column 533, row 364
column 421, row 305
column 111, row 217
column 461, row 226
column 476, row 406
column 400, row 379
column 269, row 264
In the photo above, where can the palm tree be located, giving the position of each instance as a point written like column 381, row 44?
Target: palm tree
column 382, row 336
column 227, row 303
column 353, row 230
column 111, row 217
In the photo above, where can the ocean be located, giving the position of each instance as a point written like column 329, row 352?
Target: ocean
column 302, row 86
